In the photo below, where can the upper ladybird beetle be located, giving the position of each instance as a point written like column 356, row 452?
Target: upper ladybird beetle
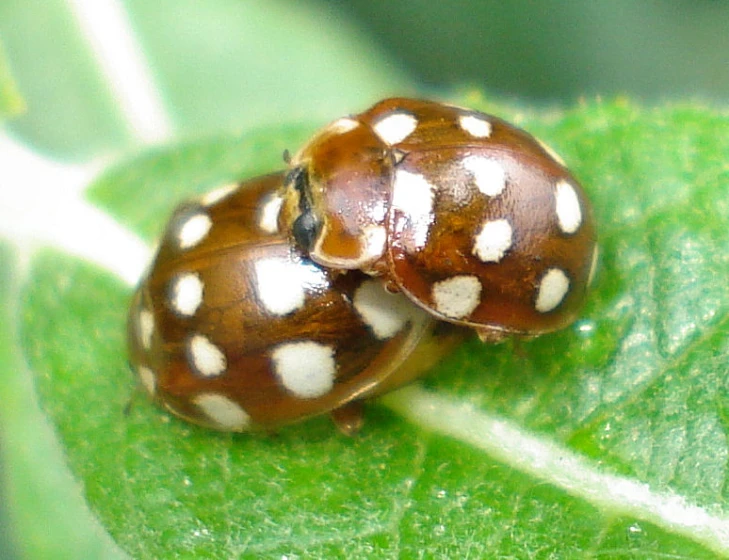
column 472, row 218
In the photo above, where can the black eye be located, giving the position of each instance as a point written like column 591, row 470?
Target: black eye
column 305, row 229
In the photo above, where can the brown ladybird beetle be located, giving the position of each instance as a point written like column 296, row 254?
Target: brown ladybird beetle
column 473, row 219
column 234, row 329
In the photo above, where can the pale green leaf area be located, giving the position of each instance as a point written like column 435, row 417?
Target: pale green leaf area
column 214, row 65
column 237, row 64
column 70, row 107
column 636, row 390
column 45, row 510
column 11, row 102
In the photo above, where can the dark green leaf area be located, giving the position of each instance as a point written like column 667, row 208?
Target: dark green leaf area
column 641, row 380
column 140, row 191
column 163, row 487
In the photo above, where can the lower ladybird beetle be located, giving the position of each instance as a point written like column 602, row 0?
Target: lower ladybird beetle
column 233, row 328
column 473, row 219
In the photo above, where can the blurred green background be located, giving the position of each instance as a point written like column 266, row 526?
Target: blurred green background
column 299, row 60
column 237, row 64
column 557, row 50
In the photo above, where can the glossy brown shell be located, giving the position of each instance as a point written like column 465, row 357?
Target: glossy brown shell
column 485, row 225
column 210, row 349
column 346, row 187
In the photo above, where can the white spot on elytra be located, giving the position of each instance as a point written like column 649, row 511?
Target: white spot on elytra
column 186, row 293
column 146, row 327
column 148, row 379
column 457, row 297
column 492, row 242
column 268, row 215
column 476, row 126
column 413, row 195
column 489, row 175
column 193, row 230
column 282, row 284
column 305, row 368
column 553, row 286
column 340, row 126
column 206, row 358
column 569, row 212
column 395, row 127
column 216, row 195
column 385, row 313
column 227, row 414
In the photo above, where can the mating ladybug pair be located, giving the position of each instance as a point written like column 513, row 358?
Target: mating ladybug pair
column 304, row 292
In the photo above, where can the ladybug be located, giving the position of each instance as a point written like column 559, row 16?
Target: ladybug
column 234, row 328
column 473, row 219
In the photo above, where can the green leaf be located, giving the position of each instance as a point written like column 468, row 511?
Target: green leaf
column 607, row 439
column 70, row 107
column 241, row 64
column 223, row 65
column 162, row 176
column 38, row 492
column 11, row 102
